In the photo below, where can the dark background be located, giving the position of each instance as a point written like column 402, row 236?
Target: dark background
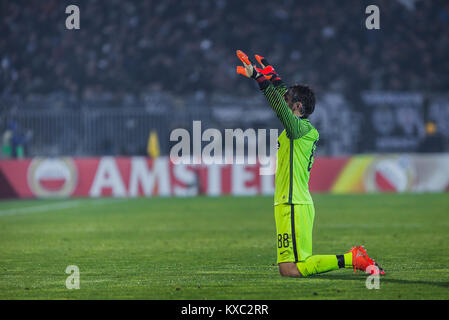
column 136, row 66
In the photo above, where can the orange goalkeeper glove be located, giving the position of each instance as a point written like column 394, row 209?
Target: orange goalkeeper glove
column 247, row 70
column 267, row 70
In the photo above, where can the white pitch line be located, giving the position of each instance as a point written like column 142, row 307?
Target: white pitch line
column 57, row 206
column 40, row 208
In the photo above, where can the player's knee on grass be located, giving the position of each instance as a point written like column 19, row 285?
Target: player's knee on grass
column 289, row 269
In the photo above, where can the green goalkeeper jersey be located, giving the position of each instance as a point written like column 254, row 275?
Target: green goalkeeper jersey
column 296, row 150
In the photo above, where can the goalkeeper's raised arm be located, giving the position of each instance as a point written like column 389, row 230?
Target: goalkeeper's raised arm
column 290, row 105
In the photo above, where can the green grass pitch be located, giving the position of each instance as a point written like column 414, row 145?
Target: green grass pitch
column 217, row 248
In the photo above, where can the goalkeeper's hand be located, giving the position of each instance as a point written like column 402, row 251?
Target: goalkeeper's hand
column 267, row 70
column 250, row 71
column 247, row 70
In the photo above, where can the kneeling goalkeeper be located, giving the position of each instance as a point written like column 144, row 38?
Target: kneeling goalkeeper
column 293, row 206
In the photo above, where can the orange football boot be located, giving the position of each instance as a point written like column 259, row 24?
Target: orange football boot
column 361, row 261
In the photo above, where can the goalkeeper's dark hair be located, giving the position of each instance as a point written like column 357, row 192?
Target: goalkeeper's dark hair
column 305, row 95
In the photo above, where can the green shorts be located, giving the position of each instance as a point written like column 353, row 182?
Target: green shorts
column 294, row 225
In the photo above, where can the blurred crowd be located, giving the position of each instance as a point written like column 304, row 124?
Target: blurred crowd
column 188, row 46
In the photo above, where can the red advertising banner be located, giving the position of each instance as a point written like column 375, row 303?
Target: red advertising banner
column 141, row 176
